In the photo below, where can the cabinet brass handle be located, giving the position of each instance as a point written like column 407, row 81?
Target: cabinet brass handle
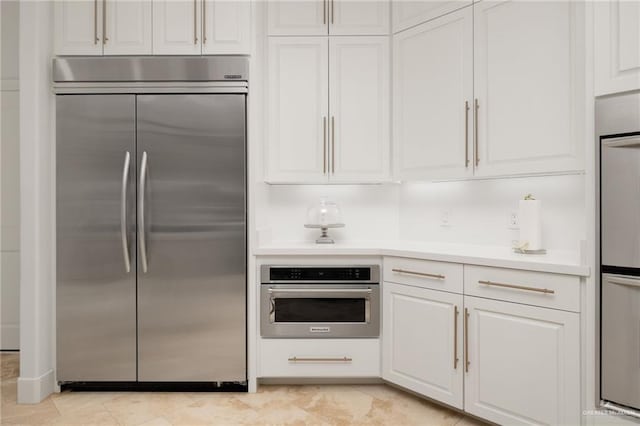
column 342, row 359
column 324, row 145
column 455, row 337
column 324, row 12
column 195, row 21
column 466, row 340
column 421, row 274
column 475, row 130
column 466, row 133
column 104, row 22
column 204, row 21
column 333, row 145
column 332, row 8
column 95, row 22
column 517, row 287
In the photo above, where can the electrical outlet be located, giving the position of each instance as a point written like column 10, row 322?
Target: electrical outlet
column 445, row 218
column 513, row 221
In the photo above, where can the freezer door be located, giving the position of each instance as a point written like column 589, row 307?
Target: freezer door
column 620, row 207
column 621, row 340
column 192, row 255
column 95, row 238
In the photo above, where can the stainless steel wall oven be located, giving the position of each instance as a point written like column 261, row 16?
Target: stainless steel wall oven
column 320, row 301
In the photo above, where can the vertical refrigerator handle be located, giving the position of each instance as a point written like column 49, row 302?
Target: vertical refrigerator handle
column 123, row 213
column 141, row 227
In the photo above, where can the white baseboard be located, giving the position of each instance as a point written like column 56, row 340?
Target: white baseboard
column 9, row 337
column 34, row 390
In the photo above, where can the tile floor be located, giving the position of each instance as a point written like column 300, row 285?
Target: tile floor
column 272, row 405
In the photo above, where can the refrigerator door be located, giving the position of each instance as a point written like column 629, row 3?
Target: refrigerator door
column 96, row 246
column 191, row 219
column 620, row 192
column 621, row 339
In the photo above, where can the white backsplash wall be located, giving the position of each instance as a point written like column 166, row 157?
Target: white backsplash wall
column 370, row 212
column 478, row 211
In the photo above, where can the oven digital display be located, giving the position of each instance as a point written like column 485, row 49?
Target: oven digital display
column 321, row 310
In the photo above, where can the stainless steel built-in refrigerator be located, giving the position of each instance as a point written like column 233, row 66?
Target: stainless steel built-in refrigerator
column 618, row 129
column 151, row 219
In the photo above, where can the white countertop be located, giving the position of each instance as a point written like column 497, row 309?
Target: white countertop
column 559, row 262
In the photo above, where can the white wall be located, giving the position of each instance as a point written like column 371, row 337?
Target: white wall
column 479, row 210
column 370, row 212
column 9, row 178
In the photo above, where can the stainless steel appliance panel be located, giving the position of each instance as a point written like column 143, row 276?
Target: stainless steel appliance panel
column 192, row 233
column 620, row 194
column 96, row 277
column 150, row 68
column 621, row 339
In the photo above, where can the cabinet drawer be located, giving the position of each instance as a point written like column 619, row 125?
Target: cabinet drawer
column 555, row 291
column 423, row 273
column 319, row 358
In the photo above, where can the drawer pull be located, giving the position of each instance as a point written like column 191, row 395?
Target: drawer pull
column 343, row 359
column 420, row 274
column 518, row 287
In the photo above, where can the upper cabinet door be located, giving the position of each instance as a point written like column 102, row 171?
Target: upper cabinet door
column 359, row 79
column 226, row 27
column 176, row 27
column 529, row 85
column 413, row 12
column 78, row 27
column 128, row 27
column 432, row 98
column 297, row 112
column 617, row 46
column 358, row 17
column 296, row 17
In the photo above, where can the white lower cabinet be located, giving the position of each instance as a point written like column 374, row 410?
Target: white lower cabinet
column 422, row 335
column 319, row 358
column 509, row 363
column 523, row 363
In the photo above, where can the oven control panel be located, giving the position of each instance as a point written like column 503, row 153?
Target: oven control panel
column 291, row 274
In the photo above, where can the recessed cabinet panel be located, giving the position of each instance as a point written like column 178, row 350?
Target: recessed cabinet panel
column 128, row 27
column 617, row 46
column 359, row 108
column 78, row 27
column 295, row 17
column 413, row 12
column 357, row 17
column 433, row 120
column 529, row 74
column 524, row 363
column 422, row 341
column 297, row 113
column 226, row 27
column 176, row 27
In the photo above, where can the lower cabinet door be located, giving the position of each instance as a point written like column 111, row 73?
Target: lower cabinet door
column 523, row 363
column 422, row 341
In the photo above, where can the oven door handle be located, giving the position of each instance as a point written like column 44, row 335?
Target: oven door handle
column 321, row 292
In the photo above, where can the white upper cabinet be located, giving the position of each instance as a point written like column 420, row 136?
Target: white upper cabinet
column 322, row 17
column 297, row 111
column 423, row 341
column 617, row 46
column 296, row 17
column 127, row 27
column 359, row 101
column 433, row 94
column 226, row 27
column 529, row 86
column 177, row 27
column 523, row 363
column 407, row 13
column 78, row 27
column 359, row 17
